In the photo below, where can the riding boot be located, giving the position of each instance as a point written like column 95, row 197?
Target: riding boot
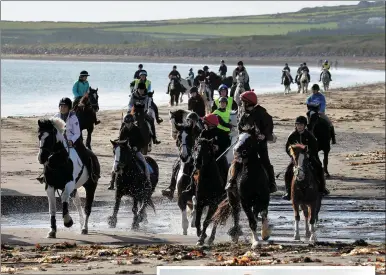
column 272, row 183
column 332, row 131
column 287, row 180
column 309, row 77
column 155, row 108
column 169, row 192
column 112, row 181
column 232, row 183
column 167, row 92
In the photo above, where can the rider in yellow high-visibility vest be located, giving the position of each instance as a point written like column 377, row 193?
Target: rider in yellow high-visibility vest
column 223, row 92
column 224, row 115
column 325, row 66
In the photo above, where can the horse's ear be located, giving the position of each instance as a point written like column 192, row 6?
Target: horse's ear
column 114, row 143
column 96, row 90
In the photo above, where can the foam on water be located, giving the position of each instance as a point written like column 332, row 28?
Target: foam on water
column 30, row 87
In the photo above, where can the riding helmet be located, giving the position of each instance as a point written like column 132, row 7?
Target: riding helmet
column 286, row 64
column 249, row 97
column 140, row 66
column 192, row 116
column 222, row 61
column 129, row 118
column 211, row 120
column 141, row 85
column 66, row 101
column 84, row 73
column 301, row 120
column 223, row 99
column 240, row 63
column 194, row 89
column 205, row 68
column 326, row 61
column 304, row 63
column 223, row 87
column 200, row 71
column 143, row 72
column 174, row 67
column 191, row 69
column 315, row 87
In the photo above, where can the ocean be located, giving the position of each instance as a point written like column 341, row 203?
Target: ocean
column 30, row 87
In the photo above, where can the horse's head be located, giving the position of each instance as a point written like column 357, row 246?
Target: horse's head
column 240, row 78
column 123, row 155
column 246, row 147
column 177, row 117
column 185, row 141
column 312, row 114
column 93, row 98
column 204, row 152
column 50, row 137
column 299, row 156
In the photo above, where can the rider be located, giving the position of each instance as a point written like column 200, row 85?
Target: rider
column 223, row 91
column 286, row 67
column 134, row 85
column 129, row 131
column 318, row 98
column 303, row 136
column 196, row 102
column 223, row 69
column 174, row 74
column 81, row 88
column 325, row 66
column 255, row 115
column 305, row 68
column 298, row 72
column 73, row 134
column 141, row 99
column 224, row 115
column 136, row 74
column 206, row 71
column 240, row 68
column 200, row 77
column 191, row 119
column 191, row 76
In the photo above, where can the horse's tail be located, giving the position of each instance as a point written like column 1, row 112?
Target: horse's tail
column 224, row 210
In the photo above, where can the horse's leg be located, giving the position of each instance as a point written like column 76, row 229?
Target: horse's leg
column 325, row 163
column 112, row 220
column 78, row 206
column 209, row 215
column 265, row 228
column 306, row 219
column 194, row 211
column 252, row 224
column 88, row 139
column 312, row 222
column 200, row 208
column 235, row 232
column 52, row 209
column 69, row 188
column 90, row 188
column 295, row 206
column 135, row 224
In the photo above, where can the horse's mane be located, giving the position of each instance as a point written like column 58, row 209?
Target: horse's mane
column 242, row 138
column 59, row 124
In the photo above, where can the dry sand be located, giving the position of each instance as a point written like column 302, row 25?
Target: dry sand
column 357, row 167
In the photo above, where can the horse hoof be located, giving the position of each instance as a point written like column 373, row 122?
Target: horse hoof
column 51, row 235
column 313, row 238
column 308, row 234
column 69, row 223
column 210, row 241
column 135, row 226
column 297, row 237
column 255, row 244
column 84, row 232
column 200, row 243
column 235, row 239
column 185, row 232
column 112, row 221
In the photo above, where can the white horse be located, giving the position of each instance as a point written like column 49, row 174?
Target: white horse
column 62, row 166
column 325, row 80
column 187, row 83
column 233, row 135
column 303, row 82
column 204, row 91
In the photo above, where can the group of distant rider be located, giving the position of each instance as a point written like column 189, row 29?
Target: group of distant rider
column 303, row 67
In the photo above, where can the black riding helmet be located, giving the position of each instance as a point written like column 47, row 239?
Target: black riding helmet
column 84, row 73
column 205, row 68
column 194, row 89
column 129, row 118
column 174, row 67
column 140, row 66
column 222, row 61
column 66, row 101
column 200, row 71
column 223, row 99
column 301, row 120
column 192, row 116
column 315, row 87
column 240, row 63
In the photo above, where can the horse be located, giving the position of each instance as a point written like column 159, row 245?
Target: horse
column 177, row 117
column 186, row 84
column 304, row 192
column 185, row 149
column 210, row 187
column 144, row 126
column 321, row 130
column 325, row 80
column 204, row 91
column 239, row 88
column 287, row 82
column 85, row 113
column 130, row 181
column 233, row 134
column 175, row 90
column 252, row 192
column 303, row 80
column 63, row 170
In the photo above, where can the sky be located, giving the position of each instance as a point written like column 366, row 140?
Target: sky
column 103, row 11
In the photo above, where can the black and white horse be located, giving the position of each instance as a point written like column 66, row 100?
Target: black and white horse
column 64, row 170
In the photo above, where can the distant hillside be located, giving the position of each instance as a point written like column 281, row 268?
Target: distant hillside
column 323, row 18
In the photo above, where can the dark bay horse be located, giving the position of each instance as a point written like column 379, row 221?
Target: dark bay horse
column 304, row 192
column 130, row 181
column 85, row 112
column 321, row 130
column 215, row 81
column 175, row 89
column 144, row 126
column 63, row 170
column 252, row 191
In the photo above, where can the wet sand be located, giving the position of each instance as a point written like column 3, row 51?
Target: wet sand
column 356, row 164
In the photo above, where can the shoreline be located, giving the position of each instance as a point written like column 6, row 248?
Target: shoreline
column 375, row 63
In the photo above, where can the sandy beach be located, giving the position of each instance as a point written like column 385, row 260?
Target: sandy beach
column 356, row 164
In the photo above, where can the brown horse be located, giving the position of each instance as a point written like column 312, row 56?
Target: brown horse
column 304, row 192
